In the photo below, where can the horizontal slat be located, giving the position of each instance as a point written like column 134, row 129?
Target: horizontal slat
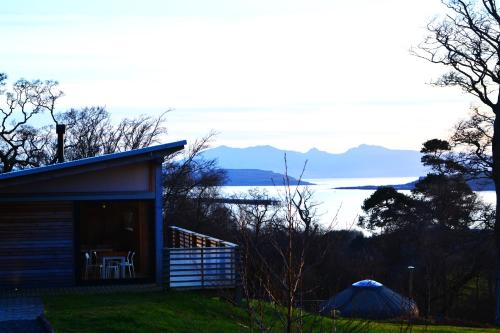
column 201, row 249
column 35, row 244
column 41, row 271
column 199, row 254
column 201, row 285
column 212, row 267
column 200, row 272
column 48, row 251
column 212, row 281
column 201, row 269
column 174, row 259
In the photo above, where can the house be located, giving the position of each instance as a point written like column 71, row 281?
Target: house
column 60, row 223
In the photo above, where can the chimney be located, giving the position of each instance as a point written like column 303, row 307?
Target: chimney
column 60, row 130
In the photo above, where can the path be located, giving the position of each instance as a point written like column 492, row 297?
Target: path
column 21, row 315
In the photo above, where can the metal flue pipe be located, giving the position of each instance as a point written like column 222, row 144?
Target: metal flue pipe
column 60, row 130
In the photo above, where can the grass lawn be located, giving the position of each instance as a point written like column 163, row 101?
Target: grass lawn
column 178, row 311
column 385, row 327
column 143, row 312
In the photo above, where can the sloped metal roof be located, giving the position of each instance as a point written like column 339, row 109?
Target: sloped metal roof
column 154, row 152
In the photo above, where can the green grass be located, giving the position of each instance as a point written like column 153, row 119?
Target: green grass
column 389, row 327
column 143, row 312
column 177, row 311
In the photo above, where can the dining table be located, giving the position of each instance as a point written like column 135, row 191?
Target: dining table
column 111, row 257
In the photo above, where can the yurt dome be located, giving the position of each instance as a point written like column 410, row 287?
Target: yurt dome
column 370, row 299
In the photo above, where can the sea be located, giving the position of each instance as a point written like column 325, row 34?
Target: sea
column 339, row 209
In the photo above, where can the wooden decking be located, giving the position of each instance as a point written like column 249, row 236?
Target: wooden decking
column 197, row 261
column 192, row 261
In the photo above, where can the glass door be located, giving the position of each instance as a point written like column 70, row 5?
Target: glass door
column 115, row 241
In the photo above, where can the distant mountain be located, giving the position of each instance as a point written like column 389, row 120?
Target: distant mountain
column 408, row 186
column 362, row 161
column 475, row 185
column 254, row 177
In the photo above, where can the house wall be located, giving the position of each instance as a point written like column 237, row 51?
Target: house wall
column 36, row 244
column 37, row 223
column 138, row 177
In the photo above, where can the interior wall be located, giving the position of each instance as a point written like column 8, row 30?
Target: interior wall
column 119, row 226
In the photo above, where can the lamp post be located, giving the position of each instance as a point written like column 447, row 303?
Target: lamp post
column 410, row 280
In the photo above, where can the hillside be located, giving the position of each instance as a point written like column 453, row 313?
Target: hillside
column 476, row 185
column 254, row 177
column 186, row 312
column 362, row 161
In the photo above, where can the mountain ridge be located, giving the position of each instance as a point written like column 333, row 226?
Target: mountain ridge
column 362, row 161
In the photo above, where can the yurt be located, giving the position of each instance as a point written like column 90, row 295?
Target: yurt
column 371, row 300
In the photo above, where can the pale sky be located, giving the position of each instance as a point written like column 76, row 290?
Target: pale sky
column 294, row 74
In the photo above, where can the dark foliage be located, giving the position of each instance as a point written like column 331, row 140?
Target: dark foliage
column 191, row 183
column 466, row 41
column 388, row 210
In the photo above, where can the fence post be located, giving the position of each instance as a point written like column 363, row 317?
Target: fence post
column 166, row 265
column 202, row 268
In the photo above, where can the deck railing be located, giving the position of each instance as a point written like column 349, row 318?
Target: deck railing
column 183, row 238
column 194, row 260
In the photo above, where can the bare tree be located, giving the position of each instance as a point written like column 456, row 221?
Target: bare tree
column 277, row 241
column 468, row 151
column 141, row 132
column 467, row 40
column 21, row 144
column 256, row 217
column 190, row 183
column 90, row 132
column 473, row 138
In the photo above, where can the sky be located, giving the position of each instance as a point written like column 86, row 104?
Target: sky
column 294, row 74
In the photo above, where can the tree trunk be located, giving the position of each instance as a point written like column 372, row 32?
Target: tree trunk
column 496, row 178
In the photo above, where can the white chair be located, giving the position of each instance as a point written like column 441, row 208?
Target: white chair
column 97, row 265
column 90, row 266
column 129, row 264
column 112, row 269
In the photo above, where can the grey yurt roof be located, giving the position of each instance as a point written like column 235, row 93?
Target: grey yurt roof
column 370, row 299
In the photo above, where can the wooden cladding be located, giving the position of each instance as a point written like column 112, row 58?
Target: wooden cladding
column 104, row 180
column 36, row 244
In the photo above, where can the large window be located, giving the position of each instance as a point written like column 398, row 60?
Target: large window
column 115, row 240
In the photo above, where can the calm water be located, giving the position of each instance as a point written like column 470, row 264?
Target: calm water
column 340, row 208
